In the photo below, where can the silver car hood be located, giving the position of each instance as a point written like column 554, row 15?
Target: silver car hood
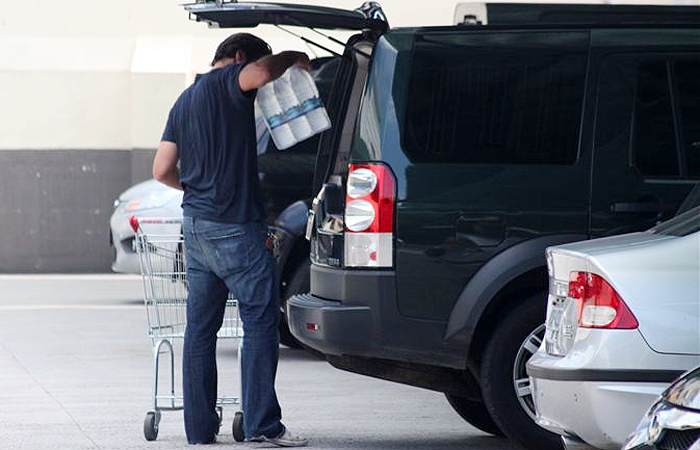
column 658, row 277
column 143, row 188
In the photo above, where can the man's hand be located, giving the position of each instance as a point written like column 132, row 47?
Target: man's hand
column 269, row 68
column 303, row 61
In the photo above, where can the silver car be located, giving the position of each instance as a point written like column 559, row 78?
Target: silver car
column 623, row 321
column 673, row 422
column 147, row 199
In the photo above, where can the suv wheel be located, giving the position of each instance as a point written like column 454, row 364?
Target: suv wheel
column 504, row 382
column 299, row 283
column 475, row 413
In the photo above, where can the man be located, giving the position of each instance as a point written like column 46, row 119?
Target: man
column 211, row 131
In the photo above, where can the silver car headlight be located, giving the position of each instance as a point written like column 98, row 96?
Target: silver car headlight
column 685, row 392
column 676, row 412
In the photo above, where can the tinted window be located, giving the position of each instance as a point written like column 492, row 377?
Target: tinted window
column 666, row 134
column 495, row 98
column 687, row 77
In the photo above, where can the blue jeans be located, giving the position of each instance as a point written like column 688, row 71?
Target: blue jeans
column 221, row 258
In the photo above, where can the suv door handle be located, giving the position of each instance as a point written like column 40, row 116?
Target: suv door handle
column 636, row 207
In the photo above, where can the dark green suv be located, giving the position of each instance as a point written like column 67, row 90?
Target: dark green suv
column 457, row 156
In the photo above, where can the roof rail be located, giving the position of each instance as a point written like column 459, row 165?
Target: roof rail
column 480, row 13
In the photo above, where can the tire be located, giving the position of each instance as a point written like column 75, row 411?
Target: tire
column 150, row 426
column 475, row 413
column 238, row 434
column 299, row 283
column 514, row 340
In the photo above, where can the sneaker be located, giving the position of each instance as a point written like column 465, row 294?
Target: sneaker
column 287, row 439
column 212, row 441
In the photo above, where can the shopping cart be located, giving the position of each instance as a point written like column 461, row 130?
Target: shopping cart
column 159, row 244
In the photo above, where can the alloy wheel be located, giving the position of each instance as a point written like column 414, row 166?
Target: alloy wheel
column 521, row 381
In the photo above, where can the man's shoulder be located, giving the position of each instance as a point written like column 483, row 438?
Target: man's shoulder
column 226, row 74
column 193, row 90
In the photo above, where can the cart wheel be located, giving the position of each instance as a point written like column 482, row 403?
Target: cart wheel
column 238, row 434
column 150, row 426
column 220, row 413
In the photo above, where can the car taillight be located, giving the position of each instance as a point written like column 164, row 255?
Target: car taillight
column 369, row 216
column 599, row 305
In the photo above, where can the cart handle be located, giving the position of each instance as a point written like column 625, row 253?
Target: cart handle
column 136, row 222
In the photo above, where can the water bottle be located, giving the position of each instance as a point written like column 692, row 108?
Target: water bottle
column 310, row 103
column 292, row 107
column 274, row 117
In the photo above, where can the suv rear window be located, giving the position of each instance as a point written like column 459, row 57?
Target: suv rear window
column 510, row 98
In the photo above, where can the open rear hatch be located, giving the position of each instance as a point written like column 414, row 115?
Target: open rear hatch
column 251, row 14
column 344, row 101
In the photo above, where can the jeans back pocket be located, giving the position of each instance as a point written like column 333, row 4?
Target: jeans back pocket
column 229, row 251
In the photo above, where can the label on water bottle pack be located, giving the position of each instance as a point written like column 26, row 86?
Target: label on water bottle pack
column 294, row 112
column 276, row 120
column 310, row 104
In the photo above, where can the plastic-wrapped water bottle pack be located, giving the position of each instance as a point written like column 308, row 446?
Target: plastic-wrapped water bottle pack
column 292, row 108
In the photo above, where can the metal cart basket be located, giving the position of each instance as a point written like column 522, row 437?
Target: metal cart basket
column 159, row 244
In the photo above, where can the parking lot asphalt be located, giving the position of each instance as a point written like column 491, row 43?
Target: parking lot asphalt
column 76, row 373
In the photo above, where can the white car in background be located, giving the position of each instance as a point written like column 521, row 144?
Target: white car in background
column 623, row 321
column 149, row 198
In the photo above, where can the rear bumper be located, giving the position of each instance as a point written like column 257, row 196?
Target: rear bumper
column 351, row 337
column 355, row 313
column 342, row 314
column 600, row 390
column 612, row 409
column 330, row 327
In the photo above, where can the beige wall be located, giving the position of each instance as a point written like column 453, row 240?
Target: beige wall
column 86, row 74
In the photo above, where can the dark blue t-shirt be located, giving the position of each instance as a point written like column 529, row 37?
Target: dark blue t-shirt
column 213, row 125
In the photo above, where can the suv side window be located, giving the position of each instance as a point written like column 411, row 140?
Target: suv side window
column 640, row 119
column 501, row 97
column 666, row 134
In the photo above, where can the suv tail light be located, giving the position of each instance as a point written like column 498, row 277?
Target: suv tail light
column 369, row 216
column 599, row 305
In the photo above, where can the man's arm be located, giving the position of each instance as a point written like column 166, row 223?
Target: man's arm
column 269, row 68
column 165, row 165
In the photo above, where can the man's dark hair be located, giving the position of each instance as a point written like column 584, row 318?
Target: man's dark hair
column 252, row 47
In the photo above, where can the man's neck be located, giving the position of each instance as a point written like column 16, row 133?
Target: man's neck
column 223, row 63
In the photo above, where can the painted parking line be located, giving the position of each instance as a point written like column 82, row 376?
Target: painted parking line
column 67, row 307
column 86, row 277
